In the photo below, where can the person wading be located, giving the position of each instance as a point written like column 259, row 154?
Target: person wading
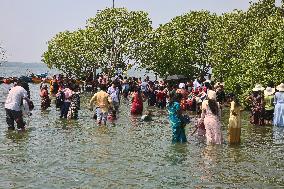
column 102, row 101
column 13, row 105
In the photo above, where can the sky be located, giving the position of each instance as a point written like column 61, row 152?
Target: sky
column 27, row 25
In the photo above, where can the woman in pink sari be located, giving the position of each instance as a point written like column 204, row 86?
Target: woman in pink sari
column 211, row 118
column 137, row 102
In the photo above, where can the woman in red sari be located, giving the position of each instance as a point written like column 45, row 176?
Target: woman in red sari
column 137, row 102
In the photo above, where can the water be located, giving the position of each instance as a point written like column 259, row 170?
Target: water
column 56, row 153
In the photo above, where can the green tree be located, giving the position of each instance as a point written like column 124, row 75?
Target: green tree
column 119, row 33
column 109, row 41
column 180, row 46
column 231, row 44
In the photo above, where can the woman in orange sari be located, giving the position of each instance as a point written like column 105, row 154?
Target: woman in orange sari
column 184, row 94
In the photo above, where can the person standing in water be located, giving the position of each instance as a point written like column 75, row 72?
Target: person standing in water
column 13, row 107
column 278, row 119
column 268, row 105
column 174, row 110
column 75, row 103
column 234, row 129
column 102, row 101
column 211, row 117
column 137, row 102
column 45, row 100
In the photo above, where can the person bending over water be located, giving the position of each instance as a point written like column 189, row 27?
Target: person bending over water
column 13, row 106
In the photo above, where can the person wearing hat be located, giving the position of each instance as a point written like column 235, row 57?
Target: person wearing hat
column 278, row 119
column 268, row 105
column 257, row 105
column 211, row 117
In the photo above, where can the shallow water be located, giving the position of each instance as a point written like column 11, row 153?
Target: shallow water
column 56, row 153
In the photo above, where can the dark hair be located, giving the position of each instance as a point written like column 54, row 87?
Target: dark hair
column 175, row 97
column 25, row 85
column 255, row 93
column 270, row 84
column 103, row 87
column 213, row 106
column 235, row 99
column 208, row 86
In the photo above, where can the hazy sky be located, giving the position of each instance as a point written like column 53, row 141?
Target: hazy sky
column 26, row 25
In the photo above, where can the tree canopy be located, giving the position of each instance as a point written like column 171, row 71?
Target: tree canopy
column 242, row 47
column 180, row 46
column 109, row 41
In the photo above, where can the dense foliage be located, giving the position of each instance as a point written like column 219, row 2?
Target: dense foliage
column 107, row 42
column 246, row 47
column 242, row 47
column 180, row 46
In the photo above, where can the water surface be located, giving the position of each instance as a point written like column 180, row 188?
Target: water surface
column 57, row 153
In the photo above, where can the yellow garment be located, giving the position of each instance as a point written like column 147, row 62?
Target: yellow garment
column 51, row 86
column 234, row 129
column 101, row 100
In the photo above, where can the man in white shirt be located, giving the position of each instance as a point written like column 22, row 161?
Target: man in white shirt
column 13, row 107
column 113, row 91
column 144, row 87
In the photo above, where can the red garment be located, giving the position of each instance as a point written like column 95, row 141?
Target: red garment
column 161, row 96
column 43, row 93
column 137, row 104
column 184, row 94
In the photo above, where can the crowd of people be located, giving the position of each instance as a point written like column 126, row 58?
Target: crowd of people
column 201, row 98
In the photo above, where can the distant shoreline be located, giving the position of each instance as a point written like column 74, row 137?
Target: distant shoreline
column 11, row 62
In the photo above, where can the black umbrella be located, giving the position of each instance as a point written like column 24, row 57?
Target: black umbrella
column 175, row 77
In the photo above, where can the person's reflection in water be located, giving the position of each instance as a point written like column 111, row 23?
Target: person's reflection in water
column 178, row 153
column 17, row 137
column 210, row 157
column 134, row 120
column 278, row 135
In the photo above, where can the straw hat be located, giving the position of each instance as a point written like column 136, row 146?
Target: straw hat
column 280, row 87
column 269, row 91
column 258, row 87
column 207, row 81
column 211, row 95
column 217, row 84
column 181, row 85
column 44, row 86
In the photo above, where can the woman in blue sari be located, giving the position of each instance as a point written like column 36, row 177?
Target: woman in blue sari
column 174, row 110
column 279, row 106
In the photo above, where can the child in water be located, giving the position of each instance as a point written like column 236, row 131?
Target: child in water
column 147, row 116
column 111, row 115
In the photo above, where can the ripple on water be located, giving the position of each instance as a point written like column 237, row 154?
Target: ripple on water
column 56, row 153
